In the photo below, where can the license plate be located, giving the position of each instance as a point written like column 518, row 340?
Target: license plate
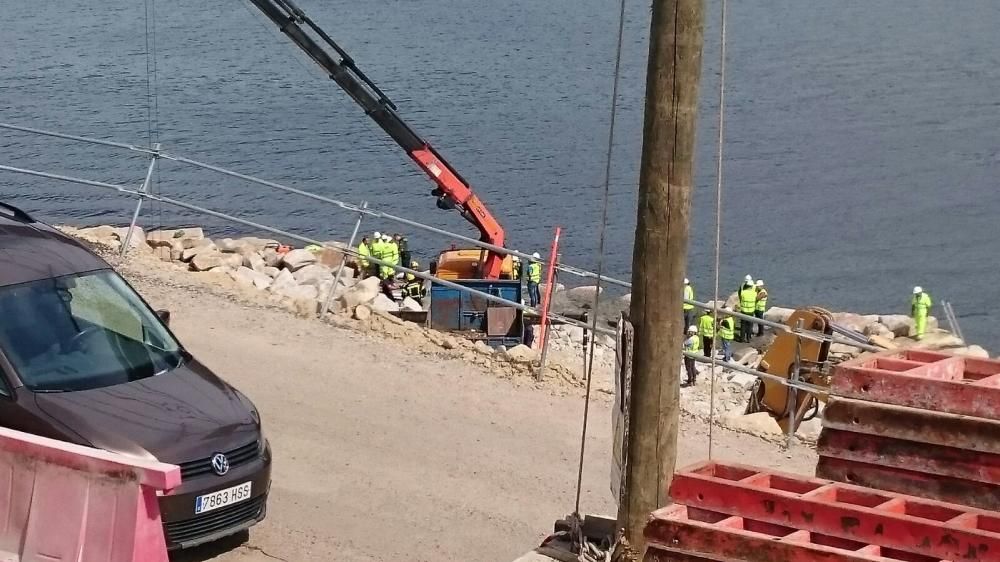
column 222, row 498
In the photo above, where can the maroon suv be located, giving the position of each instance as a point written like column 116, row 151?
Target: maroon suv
column 84, row 359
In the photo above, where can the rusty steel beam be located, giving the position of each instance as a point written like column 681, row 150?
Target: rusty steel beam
column 942, row 488
column 912, row 424
column 963, row 464
column 889, row 520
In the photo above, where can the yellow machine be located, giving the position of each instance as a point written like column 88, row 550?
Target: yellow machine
column 467, row 264
column 799, row 356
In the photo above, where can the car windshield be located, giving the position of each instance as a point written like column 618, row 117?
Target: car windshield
column 82, row 331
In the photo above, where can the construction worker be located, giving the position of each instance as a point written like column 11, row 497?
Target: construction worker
column 404, row 249
column 688, row 308
column 727, row 332
column 706, row 329
column 748, row 305
column 920, row 306
column 414, row 287
column 534, row 278
column 691, row 344
column 758, row 311
column 390, row 254
column 515, row 268
column 364, row 250
column 378, row 252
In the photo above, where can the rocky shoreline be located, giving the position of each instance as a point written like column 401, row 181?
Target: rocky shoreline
column 260, row 271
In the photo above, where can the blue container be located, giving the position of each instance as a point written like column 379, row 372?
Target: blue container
column 452, row 310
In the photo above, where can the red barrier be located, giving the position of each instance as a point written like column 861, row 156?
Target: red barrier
column 62, row 502
column 854, row 514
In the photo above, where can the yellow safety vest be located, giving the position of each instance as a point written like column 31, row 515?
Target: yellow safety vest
column 921, row 305
column 727, row 330
column 363, row 252
column 689, row 295
column 706, row 326
column 748, row 300
column 693, row 343
column 535, row 272
column 762, row 300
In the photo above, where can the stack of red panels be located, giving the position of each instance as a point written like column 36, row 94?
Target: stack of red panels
column 916, row 422
column 735, row 513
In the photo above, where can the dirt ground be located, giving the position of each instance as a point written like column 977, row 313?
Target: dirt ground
column 381, row 454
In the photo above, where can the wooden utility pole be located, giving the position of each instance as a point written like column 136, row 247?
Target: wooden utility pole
column 660, row 255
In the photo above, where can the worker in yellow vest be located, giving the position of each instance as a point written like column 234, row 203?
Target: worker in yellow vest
column 378, row 252
column 761, row 305
column 688, row 308
column 727, row 332
column 748, row 305
column 414, row 287
column 534, row 278
column 691, row 344
column 390, row 254
column 364, row 250
column 706, row 329
column 920, row 307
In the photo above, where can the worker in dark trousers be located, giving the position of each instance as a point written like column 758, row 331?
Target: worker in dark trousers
column 748, row 305
column 404, row 249
column 692, row 344
column 706, row 329
column 688, row 308
column 534, row 278
column 761, row 305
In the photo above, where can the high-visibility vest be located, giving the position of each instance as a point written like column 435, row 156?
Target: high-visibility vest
column 414, row 289
column 378, row 250
column 706, row 326
column 535, row 272
column 748, row 299
column 762, row 300
column 689, row 295
column 363, row 252
column 693, row 343
column 392, row 254
column 921, row 305
column 727, row 328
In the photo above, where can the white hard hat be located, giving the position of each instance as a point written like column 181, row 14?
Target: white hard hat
column 760, row 282
column 537, row 256
column 386, row 237
column 378, row 235
column 516, row 259
column 686, row 281
column 917, row 290
column 692, row 330
column 748, row 279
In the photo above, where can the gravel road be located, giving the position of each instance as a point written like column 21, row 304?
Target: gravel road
column 381, row 454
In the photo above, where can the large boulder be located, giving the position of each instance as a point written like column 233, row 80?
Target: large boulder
column 760, row 423
column 205, row 261
column 253, row 261
column 202, row 246
column 250, row 278
column 521, row 354
column 232, row 260
column 282, row 281
column 778, row 314
column 313, row 274
column 411, row 305
column 972, row 351
column 138, row 240
column 297, row 259
column 271, row 257
column 299, row 292
column 583, row 296
column 384, row 303
column 857, row 322
column 258, row 244
column 898, row 324
column 330, row 256
column 272, row 272
column 363, row 292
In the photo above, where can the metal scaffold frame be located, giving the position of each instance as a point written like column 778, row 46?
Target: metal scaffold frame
column 155, row 153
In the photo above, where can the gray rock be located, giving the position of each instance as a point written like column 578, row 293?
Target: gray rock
column 313, row 274
column 299, row 292
column 363, row 292
column 297, row 259
column 856, row 322
column 482, row 347
column 573, row 334
column 362, row 312
column 162, row 252
column 258, row 244
column 189, row 233
column 138, row 240
column 778, row 314
column 162, row 238
column 625, row 300
column 559, row 288
column 250, row 278
column 384, row 303
column 744, row 380
column 898, row 324
column 99, row 233
column 254, row 261
column 232, row 260
column 411, row 305
column 271, row 257
column 283, row 281
column 205, row 261
column 201, row 246
column 743, row 353
column 521, row 354
column 973, row 351
column 272, row 272
column 583, row 296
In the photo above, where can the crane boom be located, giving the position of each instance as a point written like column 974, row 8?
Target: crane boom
column 452, row 191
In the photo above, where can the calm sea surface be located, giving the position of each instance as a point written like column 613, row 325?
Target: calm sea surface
column 862, row 155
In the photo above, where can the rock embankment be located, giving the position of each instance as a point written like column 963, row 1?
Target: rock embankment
column 301, row 280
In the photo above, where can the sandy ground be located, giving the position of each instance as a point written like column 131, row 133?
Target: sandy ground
column 381, row 454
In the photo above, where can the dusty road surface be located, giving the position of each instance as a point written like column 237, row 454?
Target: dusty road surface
column 383, row 455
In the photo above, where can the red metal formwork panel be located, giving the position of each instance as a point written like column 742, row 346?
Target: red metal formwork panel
column 853, row 513
column 679, row 533
column 923, row 379
column 913, row 424
column 937, row 460
column 942, row 488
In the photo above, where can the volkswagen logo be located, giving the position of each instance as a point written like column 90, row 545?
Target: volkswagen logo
column 220, row 464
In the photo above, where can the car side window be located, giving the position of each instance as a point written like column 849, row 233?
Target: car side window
column 95, row 301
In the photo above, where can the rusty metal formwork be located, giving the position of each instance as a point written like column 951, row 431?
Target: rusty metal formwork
column 736, row 513
column 916, row 422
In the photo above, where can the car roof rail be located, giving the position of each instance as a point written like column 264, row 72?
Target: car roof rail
column 15, row 213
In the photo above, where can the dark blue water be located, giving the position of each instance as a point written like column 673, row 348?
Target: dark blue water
column 862, row 155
